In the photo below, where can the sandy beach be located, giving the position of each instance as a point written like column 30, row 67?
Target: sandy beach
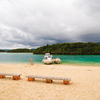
column 84, row 84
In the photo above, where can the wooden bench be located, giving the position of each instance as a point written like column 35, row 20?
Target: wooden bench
column 15, row 76
column 49, row 79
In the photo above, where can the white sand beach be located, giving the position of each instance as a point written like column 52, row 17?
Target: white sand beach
column 84, row 84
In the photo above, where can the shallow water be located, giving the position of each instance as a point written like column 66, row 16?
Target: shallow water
column 37, row 58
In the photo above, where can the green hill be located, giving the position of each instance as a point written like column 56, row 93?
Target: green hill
column 70, row 49
column 2, row 50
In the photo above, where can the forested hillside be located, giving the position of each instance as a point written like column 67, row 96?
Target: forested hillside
column 20, row 50
column 70, row 49
column 2, row 50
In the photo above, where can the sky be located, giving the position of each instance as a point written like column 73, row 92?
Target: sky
column 35, row 23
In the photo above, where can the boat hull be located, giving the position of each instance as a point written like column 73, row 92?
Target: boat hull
column 57, row 61
column 47, row 61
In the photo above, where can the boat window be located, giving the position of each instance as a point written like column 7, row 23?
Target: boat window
column 49, row 56
column 45, row 57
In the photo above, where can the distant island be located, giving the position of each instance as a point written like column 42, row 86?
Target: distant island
column 2, row 50
column 79, row 48
column 25, row 50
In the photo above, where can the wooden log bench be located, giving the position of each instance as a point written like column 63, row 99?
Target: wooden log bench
column 14, row 76
column 49, row 79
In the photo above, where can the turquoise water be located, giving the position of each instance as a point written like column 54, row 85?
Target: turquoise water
column 66, row 59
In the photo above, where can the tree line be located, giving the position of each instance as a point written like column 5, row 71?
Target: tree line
column 79, row 48
column 2, row 50
column 20, row 50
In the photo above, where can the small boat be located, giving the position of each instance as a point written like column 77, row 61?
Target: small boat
column 57, row 60
column 48, row 59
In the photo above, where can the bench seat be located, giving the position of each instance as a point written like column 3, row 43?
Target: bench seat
column 15, row 76
column 49, row 79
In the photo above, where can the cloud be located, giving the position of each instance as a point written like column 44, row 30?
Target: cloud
column 34, row 23
column 91, row 37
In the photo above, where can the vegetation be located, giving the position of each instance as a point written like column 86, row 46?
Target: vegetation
column 2, row 50
column 79, row 48
column 20, row 50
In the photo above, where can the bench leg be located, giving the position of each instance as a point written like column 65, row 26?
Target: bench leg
column 30, row 79
column 48, row 81
column 66, row 82
column 19, row 77
column 2, row 76
column 15, row 77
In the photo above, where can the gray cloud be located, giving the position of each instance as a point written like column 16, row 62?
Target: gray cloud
column 91, row 37
column 34, row 23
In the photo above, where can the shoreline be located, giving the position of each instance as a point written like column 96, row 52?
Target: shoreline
column 69, row 64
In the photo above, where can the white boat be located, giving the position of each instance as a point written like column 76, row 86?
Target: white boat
column 48, row 59
column 57, row 60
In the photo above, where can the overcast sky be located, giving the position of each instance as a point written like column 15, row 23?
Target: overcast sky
column 34, row 23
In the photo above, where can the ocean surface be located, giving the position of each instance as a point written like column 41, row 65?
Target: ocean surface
column 37, row 58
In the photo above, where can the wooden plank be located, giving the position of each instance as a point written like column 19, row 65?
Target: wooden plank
column 15, row 76
column 49, row 79
column 10, row 74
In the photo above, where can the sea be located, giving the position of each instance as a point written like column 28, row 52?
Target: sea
column 37, row 58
